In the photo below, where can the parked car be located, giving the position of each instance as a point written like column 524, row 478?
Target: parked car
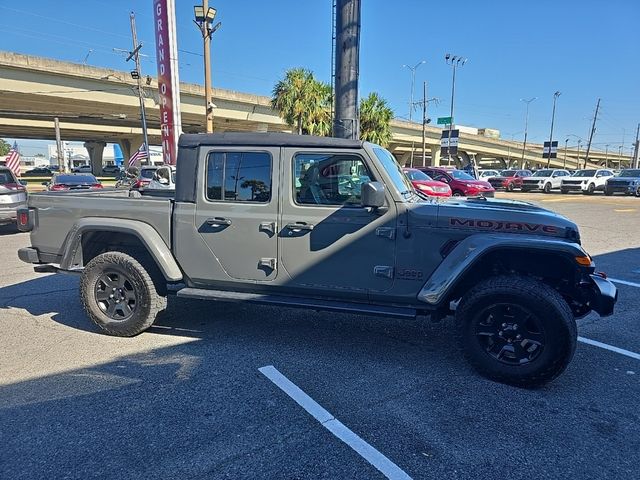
column 38, row 172
column 82, row 169
column 111, row 170
column 144, row 177
column 627, row 182
column 586, row 181
column 72, row 181
column 486, row 174
column 13, row 195
column 461, row 183
column 240, row 228
column 544, row 180
column 424, row 184
column 164, row 178
column 509, row 179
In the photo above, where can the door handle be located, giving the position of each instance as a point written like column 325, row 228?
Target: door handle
column 297, row 227
column 218, row 222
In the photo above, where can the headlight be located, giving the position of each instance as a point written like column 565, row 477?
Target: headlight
column 425, row 188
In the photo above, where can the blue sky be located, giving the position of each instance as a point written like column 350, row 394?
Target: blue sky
column 516, row 49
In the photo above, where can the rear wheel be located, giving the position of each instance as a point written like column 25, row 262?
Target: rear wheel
column 516, row 330
column 547, row 188
column 120, row 294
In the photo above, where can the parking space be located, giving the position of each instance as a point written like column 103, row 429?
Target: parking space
column 188, row 400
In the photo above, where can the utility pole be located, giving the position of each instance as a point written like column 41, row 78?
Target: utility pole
column 636, row 152
column 553, row 116
column 204, row 19
column 61, row 161
column 411, row 102
column 346, row 122
column 454, row 61
column 137, row 74
column 578, row 159
column 564, row 163
column 526, row 124
column 593, row 130
column 424, row 124
column 606, row 156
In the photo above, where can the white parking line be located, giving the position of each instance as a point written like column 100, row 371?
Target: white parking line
column 624, row 282
column 611, row 348
column 328, row 421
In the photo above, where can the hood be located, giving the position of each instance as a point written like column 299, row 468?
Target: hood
column 476, row 182
column 431, row 183
column 477, row 215
column 628, row 179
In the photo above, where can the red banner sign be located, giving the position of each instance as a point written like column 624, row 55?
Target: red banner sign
column 168, row 86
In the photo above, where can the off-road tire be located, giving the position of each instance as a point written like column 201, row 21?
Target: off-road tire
column 549, row 308
column 547, row 188
column 143, row 278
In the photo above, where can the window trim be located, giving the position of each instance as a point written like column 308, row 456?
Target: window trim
column 324, row 205
column 243, row 202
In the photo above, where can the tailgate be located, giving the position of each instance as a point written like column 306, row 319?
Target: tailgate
column 57, row 212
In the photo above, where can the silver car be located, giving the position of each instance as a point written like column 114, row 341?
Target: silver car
column 13, row 194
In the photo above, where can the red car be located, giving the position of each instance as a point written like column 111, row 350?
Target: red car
column 509, row 179
column 461, row 183
column 425, row 184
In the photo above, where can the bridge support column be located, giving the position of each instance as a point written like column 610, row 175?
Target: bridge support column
column 128, row 147
column 435, row 155
column 95, row 150
column 405, row 160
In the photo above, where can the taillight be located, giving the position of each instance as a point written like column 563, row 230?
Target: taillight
column 96, row 185
column 59, row 186
column 24, row 219
column 141, row 184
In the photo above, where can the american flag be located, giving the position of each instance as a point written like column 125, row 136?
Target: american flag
column 140, row 155
column 13, row 160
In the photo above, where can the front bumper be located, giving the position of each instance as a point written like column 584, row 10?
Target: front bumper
column 574, row 187
column 627, row 189
column 602, row 295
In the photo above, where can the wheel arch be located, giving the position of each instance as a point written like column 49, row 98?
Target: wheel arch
column 92, row 236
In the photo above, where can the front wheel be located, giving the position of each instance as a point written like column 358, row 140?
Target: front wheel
column 564, row 190
column 547, row 188
column 516, row 330
column 509, row 187
column 638, row 191
column 590, row 189
column 120, row 294
column 458, row 193
column 608, row 192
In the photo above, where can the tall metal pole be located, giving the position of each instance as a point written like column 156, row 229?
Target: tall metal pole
column 553, row 116
column 593, row 130
column 578, row 159
column 564, row 163
column 424, row 124
column 208, row 90
column 606, row 156
column 454, row 61
column 636, row 152
column 61, row 161
column 346, row 123
column 136, row 56
column 526, row 125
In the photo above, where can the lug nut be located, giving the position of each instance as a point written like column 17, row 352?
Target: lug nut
column 518, row 337
column 504, row 325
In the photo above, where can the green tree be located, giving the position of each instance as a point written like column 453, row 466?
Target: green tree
column 303, row 102
column 4, row 148
column 375, row 119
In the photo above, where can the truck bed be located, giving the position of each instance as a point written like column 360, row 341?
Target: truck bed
column 57, row 212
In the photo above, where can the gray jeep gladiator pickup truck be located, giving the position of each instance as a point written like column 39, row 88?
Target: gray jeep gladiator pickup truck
column 326, row 224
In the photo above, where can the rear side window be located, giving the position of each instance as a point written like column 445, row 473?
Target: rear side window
column 6, row 177
column 239, row 177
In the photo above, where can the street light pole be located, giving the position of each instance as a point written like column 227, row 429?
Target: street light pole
column 411, row 103
column 204, row 18
column 578, row 159
column 135, row 54
column 564, row 163
column 526, row 125
column 553, row 117
column 454, row 61
column 606, row 156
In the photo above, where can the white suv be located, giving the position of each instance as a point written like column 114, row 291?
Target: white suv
column 545, row 180
column 587, row 181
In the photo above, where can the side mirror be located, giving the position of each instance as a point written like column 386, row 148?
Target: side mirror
column 372, row 195
column 24, row 183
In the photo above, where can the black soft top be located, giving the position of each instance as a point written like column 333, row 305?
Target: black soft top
column 255, row 139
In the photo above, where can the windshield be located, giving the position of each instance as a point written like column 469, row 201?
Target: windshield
column 629, row 173
column 543, row 173
column 508, row 173
column 79, row 179
column 585, row 173
column 417, row 175
column 389, row 163
column 6, row 177
column 460, row 175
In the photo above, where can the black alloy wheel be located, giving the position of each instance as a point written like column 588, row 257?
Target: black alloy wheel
column 116, row 295
column 510, row 333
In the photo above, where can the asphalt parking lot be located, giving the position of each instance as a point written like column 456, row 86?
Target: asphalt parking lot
column 187, row 398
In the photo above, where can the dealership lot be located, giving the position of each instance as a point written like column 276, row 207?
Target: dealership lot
column 191, row 399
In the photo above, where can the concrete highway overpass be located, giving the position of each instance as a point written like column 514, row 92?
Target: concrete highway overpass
column 98, row 105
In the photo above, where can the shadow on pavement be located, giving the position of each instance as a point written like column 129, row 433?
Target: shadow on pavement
column 9, row 229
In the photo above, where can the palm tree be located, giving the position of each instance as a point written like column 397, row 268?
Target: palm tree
column 303, row 102
column 375, row 116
